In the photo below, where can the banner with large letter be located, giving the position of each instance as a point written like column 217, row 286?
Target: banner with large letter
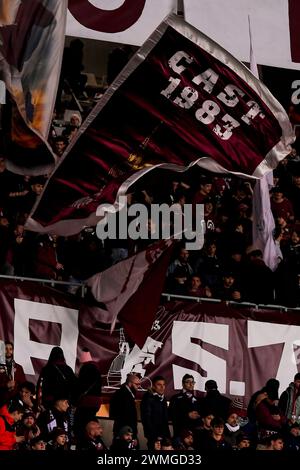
column 123, row 21
column 182, row 100
column 275, row 24
column 275, row 28
column 239, row 347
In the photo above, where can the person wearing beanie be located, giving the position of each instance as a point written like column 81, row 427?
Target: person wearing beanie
column 289, row 402
column 185, row 441
column 184, row 407
column 124, row 440
column 59, row 440
column 28, row 429
column 215, row 402
column 37, row 443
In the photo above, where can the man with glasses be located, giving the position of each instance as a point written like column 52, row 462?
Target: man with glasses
column 184, row 407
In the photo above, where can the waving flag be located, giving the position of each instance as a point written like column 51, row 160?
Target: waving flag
column 123, row 288
column 182, row 100
column 263, row 221
column 31, row 46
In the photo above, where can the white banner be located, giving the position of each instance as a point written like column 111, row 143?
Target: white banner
column 123, row 21
column 272, row 24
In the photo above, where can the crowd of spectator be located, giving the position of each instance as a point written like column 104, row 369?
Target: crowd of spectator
column 228, row 267
column 62, row 412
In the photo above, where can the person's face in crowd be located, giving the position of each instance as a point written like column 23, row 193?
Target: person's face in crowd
column 232, row 419
column 184, row 255
column 237, row 257
column 25, row 394
column 61, row 440
column 135, row 383
column 17, row 416
column 207, row 421
column 188, row 440
column 211, row 249
column 218, row 430
column 75, row 121
column 37, row 188
column 208, row 208
column 94, row 429
column 127, row 436
column 4, row 222
column 195, row 282
column 159, row 387
column 277, row 196
column 277, row 444
column 228, row 281
column 62, row 405
column 206, row 188
column 29, row 421
column 40, row 445
column 295, row 238
column 295, row 432
column 244, row 444
column 189, row 384
column 296, row 181
column 9, row 351
column 19, row 231
column 59, row 147
column 157, row 444
column 297, row 384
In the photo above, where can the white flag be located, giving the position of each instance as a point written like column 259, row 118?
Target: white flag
column 263, row 220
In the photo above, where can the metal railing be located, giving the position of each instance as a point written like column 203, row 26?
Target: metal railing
column 230, row 302
column 52, row 282
column 83, row 288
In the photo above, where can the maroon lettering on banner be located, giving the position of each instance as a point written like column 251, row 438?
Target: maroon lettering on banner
column 294, row 18
column 107, row 21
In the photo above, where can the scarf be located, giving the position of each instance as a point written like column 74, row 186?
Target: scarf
column 232, row 428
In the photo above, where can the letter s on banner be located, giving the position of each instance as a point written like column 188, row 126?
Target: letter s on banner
column 211, row 333
column 265, row 334
column 24, row 348
column 107, row 21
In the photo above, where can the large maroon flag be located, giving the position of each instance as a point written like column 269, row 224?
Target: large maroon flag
column 32, row 35
column 182, row 100
column 131, row 289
